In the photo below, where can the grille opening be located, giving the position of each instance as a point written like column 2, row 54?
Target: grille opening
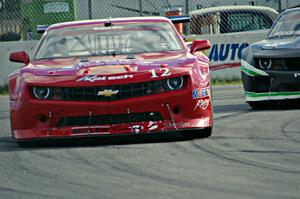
column 43, row 118
column 114, row 92
column 292, row 87
column 176, row 110
column 109, row 119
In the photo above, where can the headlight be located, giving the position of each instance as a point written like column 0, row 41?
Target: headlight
column 174, row 83
column 41, row 92
column 265, row 63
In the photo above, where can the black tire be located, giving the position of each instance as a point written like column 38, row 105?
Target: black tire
column 24, row 143
column 31, row 143
column 259, row 105
column 196, row 134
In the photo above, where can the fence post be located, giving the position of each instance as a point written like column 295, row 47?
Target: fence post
column 187, row 10
column 90, row 9
column 141, row 7
column 279, row 6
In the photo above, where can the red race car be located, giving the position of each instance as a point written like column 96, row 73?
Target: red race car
column 111, row 77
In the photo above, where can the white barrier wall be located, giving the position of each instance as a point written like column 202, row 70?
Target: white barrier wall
column 224, row 54
column 6, row 67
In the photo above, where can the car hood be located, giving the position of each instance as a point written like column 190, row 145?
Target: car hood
column 283, row 43
column 99, row 69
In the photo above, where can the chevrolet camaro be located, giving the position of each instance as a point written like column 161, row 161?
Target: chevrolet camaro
column 111, row 77
column 271, row 68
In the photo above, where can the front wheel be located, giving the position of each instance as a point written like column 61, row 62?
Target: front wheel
column 259, row 105
column 198, row 133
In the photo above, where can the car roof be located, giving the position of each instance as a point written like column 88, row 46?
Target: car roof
column 205, row 11
column 286, row 12
column 291, row 10
column 112, row 20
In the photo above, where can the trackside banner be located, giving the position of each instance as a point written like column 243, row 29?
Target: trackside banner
column 226, row 51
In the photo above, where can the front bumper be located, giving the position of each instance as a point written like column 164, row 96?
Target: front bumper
column 46, row 119
column 269, row 85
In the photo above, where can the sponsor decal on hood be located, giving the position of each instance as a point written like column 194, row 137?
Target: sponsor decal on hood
column 94, row 78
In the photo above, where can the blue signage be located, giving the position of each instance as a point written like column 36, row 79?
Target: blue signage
column 222, row 52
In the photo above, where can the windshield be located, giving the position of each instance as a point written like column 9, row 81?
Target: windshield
column 288, row 25
column 98, row 40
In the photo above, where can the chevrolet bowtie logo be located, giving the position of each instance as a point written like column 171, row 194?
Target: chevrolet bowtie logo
column 108, row 93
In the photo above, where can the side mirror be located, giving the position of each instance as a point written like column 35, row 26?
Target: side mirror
column 200, row 45
column 21, row 57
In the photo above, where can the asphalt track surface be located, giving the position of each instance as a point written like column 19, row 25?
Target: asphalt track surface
column 251, row 154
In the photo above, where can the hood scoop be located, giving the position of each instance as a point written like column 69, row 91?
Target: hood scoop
column 108, row 70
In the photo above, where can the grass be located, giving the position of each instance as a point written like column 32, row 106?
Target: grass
column 216, row 82
column 4, row 90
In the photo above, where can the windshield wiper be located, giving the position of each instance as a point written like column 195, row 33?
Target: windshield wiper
column 84, row 59
column 274, row 36
column 131, row 56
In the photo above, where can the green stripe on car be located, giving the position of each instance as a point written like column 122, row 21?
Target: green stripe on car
column 252, row 96
column 251, row 70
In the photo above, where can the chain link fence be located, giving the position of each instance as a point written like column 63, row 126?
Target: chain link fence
column 19, row 18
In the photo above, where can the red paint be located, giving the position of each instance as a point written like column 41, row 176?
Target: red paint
column 21, row 57
column 198, row 45
column 225, row 66
column 33, row 118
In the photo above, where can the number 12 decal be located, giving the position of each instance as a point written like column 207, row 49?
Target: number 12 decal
column 166, row 72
